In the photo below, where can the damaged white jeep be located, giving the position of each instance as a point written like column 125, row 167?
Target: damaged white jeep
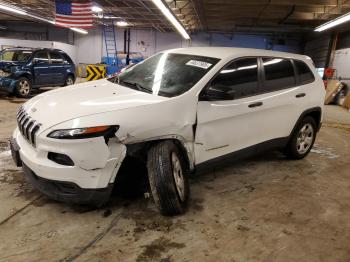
column 178, row 111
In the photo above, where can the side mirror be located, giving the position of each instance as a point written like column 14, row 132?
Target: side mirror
column 216, row 93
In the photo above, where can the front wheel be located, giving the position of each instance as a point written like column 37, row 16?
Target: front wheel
column 302, row 139
column 167, row 175
column 23, row 87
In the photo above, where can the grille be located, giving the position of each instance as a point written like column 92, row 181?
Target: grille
column 27, row 126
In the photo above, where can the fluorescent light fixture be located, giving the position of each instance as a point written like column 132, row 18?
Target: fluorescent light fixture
column 109, row 17
column 166, row 12
column 79, row 30
column 41, row 18
column 121, row 23
column 340, row 20
column 96, row 9
column 13, row 10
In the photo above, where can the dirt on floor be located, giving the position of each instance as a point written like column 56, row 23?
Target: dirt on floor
column 265, row 208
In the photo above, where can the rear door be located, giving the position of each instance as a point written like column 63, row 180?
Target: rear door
column 282, row 97
column 41, row 68
column 225, row 126
column 57, row 68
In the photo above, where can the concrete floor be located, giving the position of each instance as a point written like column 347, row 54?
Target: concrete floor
column 262, row 209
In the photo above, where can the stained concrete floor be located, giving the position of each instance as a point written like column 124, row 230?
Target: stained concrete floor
column 265, row 208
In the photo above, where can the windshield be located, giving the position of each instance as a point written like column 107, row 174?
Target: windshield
column 15, row 55
column 166, row 74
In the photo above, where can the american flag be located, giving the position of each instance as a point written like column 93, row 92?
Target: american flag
column 73, row 14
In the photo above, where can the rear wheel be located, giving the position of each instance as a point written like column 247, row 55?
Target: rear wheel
column 69, row 81
column 302, row 139
column 23, row 87
column 167, row 175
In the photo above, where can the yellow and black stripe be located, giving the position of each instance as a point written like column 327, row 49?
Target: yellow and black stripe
column 95, row 72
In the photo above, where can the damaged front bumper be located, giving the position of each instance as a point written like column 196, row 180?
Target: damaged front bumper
column 7, row 84
column 88, row 181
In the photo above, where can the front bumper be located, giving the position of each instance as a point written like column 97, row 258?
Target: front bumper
column 89, row 181
column 66, row 191
column 7, row 84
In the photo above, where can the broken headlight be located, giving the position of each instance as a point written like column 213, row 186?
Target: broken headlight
column 5, row 74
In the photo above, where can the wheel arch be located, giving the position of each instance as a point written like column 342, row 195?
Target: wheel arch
column 315, row 113
column 72, row 75
column 140, row 149
column 26, row 75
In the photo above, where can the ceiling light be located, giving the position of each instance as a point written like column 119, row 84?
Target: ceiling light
column 109, row 17
column 121, row 23
column 166, row 12
column 340, row 20
column 96, row 9
column 79, row 30
column 41, row 18
column 13, row 10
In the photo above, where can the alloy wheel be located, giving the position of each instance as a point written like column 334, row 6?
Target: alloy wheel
column 305, row 138
column 178, row 175
column 24, row 87
column 69, row 81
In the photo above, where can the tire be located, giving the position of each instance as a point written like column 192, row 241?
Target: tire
column 69, row 81
column 302, row 139
column 23, row 87
column 169, row 186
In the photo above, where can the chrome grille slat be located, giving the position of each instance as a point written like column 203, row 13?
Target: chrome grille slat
column 27, row 126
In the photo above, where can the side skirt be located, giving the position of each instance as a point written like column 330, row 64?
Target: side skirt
column 243, row 153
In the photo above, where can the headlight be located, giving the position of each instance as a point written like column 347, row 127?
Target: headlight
column 86, row 132
column 4, row 74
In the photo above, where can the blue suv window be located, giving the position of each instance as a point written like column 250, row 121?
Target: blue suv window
column 41, row 56
column 56, row 58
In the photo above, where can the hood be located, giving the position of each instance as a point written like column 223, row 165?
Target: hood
column 6, row 65
column 63, row 104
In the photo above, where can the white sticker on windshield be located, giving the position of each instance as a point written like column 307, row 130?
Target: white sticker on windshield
column 200, row 64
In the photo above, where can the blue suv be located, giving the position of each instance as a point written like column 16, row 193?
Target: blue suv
column 23, row 69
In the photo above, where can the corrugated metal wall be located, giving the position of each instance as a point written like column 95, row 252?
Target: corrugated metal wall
column 317, row 46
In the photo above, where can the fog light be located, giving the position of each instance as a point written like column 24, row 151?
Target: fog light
column 60, row 159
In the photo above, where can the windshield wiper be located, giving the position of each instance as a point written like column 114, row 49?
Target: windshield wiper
column 135, row 86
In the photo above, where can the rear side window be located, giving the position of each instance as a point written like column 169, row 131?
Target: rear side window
column 41, row 56
column 239, row 78
column 304, row 72
column 279, row 74
column 56, row 58
column 67, row 59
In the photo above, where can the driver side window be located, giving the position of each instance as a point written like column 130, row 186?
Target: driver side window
column 238, row 79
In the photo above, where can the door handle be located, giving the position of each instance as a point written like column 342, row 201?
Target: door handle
column 256, row 104
column 300, row 95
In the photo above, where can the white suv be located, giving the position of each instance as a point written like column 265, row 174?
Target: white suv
column 178, row 111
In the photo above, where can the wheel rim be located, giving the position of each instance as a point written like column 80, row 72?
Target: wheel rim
column 24, row 87
column 69, row 81
column 305, row 138
column 178, row 176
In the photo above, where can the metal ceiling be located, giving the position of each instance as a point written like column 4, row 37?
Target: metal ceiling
column 209, row 15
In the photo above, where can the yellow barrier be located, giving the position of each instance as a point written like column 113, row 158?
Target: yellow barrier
column 95, row 72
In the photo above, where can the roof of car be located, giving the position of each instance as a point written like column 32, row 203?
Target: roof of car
column 227, row 52
column 32, row 49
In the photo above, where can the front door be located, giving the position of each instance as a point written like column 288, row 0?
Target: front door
column 235, row 122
